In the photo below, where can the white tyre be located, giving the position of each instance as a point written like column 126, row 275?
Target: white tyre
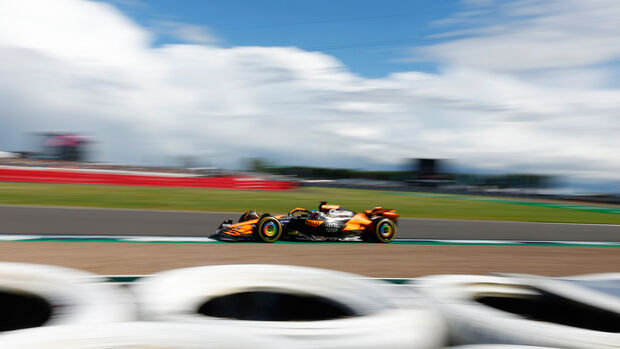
column 325, row 309
column 160, row 335
column 523, row 310
column 607, row 283
column 609, row 277
column 33, row 295
column 596, row 290
column 497, row 346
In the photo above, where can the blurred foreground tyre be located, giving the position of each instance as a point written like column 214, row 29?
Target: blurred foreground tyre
column 525, row 310
column 607, row 284
column 33, row 295
column 319, row 308
column 130, row 335
column 497, row 346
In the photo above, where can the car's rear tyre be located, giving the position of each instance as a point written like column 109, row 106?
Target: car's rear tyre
column 382, row 231
column 268, row 229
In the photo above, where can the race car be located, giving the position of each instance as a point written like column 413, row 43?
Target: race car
column 328, row 223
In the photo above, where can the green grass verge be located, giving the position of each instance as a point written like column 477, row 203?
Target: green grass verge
column 434, row 206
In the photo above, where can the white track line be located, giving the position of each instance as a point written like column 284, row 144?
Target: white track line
column 198, row 239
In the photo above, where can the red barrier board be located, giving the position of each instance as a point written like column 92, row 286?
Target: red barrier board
column 76, row 177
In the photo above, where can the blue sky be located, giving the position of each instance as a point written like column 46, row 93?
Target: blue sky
column 329, row 26
column 496, row 86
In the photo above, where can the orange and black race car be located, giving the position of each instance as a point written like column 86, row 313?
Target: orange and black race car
column 328, row 223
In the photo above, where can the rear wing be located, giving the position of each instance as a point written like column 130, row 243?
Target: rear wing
column 385, row 212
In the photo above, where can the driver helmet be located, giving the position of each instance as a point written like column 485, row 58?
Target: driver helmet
column 249, row 215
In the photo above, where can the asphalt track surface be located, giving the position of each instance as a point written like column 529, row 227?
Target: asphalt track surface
column 93, row 221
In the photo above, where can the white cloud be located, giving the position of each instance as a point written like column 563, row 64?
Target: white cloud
column 83, row 66
column 188, row 33
column 82, row 32
column 535, row 34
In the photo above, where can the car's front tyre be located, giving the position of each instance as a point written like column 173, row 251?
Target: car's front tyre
column 268, row 229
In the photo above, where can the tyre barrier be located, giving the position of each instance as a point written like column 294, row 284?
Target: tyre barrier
column 612, row 277
column 598, row 291
column 33, row 295
column 319, row 308
column 160, row 335
column 606, row 283
column 524, row 310
column 497, row 346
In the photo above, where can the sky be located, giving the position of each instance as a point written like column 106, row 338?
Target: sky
column 523, row 86
column 334, row 27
